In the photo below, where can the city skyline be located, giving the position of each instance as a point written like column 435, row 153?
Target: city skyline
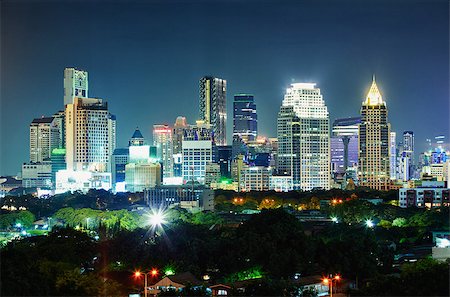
column 135, row 103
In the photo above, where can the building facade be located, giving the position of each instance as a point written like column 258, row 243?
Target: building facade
column 245, row 118
column 37, row 175
column 256, row 178
column 213, row 106
column 162, row 140
column 303, row 137
column 44, row 137
column 75, row 84
column 374, row 144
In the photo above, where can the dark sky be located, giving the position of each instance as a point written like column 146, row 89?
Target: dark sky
column 145, row 58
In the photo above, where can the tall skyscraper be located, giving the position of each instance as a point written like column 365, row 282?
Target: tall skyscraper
column 88, row 135
column 75, row 84
column 245, row 119
column 162, row 139
column 303, row 137
column 44, row 137
column 393, row 155
column 213, row 106
column 178, row 130
column 344, row 145
column 406, row 166
column 374, row 133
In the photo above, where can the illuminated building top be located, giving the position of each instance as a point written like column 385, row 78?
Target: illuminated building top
column 374, row 96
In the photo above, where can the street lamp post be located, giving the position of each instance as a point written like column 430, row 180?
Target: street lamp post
column 329, row 282
column 153, row 273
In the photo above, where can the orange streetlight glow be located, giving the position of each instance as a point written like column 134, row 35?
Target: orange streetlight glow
column 154, row 272
column 137, row 274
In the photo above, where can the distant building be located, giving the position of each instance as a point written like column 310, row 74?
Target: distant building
column 344, row 146
column 223, row 158
column 187, row 196
column 392, row 155
column 119, row 159
column 256, row 178
column 37, row 175
column 303, row 137
column 196, row 155
column 212, row 173
column 162, row 140
column 44, row 137
column 280, row 183
column 88, row 135
column 374, row 142
column 70, row 180
column 58, row 159
column 75, row 84
column 245, row 119
column 429, row 195
column 178, row 130
column 141, row 176
column 213, row 106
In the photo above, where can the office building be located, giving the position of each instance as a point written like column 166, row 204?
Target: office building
column 245, row 119
column 256, row 178
column 44, row 137
column 88, row 135
column 374, row 143
column 70, row 180
column 303, row 137
column 186, row 196
column 406, row 163
column 75, row 84
column 223, row 158
column 196, row 155
column 393, row 155
column 140, row 176
column 429, row 194
column 37, row 175
column 213, row 106
column 119, row 159
column 212, row 174
column 280, row 183
column 344, row 146
column 58, row 159
column 178, row 131
column 162, row 140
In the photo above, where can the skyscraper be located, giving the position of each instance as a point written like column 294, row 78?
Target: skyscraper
column 344, row 145
column 393, row 155
column 303, row 137
column 374, row 133
column 213, row 106
column 245, row 119
column 162, row 139
column 88, row 135
column 75, row 84
column 406, row 166
column 44, row 137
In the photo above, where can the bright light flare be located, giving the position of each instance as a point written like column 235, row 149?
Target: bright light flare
column 325, row 281
column 154, row 272
column 337, row 277
column 157, row 218
column 137, row 274
column 369, row 223
column 334, row 219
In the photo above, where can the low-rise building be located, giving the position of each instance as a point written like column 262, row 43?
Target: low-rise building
column 37, row 175
column 430, row 194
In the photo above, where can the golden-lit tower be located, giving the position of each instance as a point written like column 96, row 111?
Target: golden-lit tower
column 374, row 133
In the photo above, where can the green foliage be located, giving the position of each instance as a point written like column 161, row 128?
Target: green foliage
column 385, row 224
column 251, row 273
column 24, row 217
column 400, row 222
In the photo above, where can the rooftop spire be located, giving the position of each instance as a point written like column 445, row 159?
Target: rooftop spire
column 374, row 96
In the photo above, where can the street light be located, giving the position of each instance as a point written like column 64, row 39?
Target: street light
column 369, row 223
column 153, row 273
column 329, row 281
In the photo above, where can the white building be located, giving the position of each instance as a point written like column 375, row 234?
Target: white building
column 280, row 183
column 393, row 155
column 44, row 137
column 303, row 137
column 69, row 180
column 256, row 178
column 75, row 84
column 37, row 175
column 88, row 135
column 196, row 155
column 162, row 139
column 140, row 176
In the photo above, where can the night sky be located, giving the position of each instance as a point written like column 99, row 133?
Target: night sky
column 145, row 59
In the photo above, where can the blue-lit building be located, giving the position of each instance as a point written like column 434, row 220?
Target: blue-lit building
column 223, row 158
column 186, row 196
column 245, row 119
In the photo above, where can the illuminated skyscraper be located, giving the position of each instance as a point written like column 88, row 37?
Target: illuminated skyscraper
column 44, row 137
column 162, row 139
column 75, row 84
column 213, row 106
column 344, row 145
column 245, row 120
column 88, row 135
column 303, row 137
column 374, row 143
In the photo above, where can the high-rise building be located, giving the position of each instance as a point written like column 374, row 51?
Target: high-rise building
column 245, row 119
column 162, row 139
column 178, row 131
column 44, row 137
column 374, row 133
column 256, row 178
column 141, row 176
column 392, row 155
column 303, row 137
column 136, row 139
column 196, row 155
column 406, row 166
column 88, row 135
column 75, row 84
column 344, row 145
column 58, row 159
column 60, row 122
column 213, row 106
